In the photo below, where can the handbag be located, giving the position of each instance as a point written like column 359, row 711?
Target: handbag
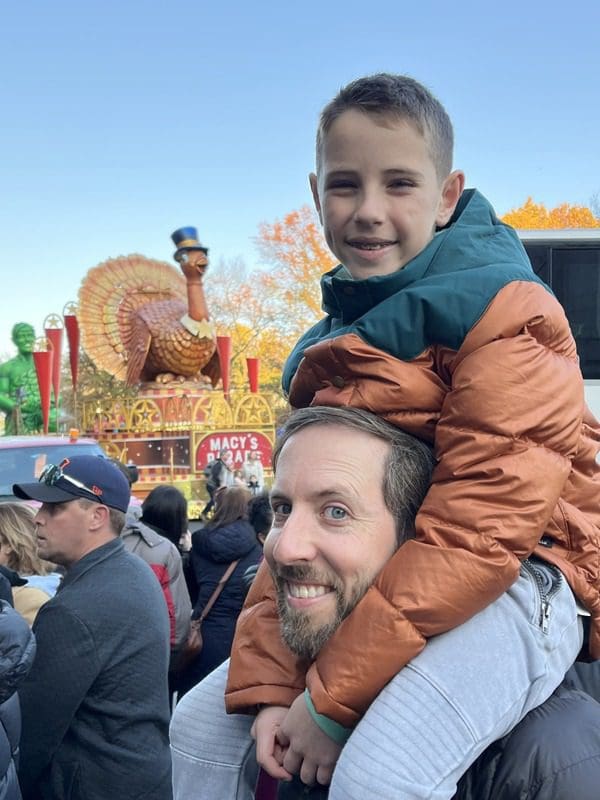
column 192, row 647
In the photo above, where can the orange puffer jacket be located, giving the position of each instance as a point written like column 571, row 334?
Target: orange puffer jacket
column 476, row 356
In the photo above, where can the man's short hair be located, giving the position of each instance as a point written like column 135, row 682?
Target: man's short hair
column 407, row 469
column 397, row 96
column 116, row 518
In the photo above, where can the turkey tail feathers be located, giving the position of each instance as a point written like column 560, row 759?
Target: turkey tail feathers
column 109, row 297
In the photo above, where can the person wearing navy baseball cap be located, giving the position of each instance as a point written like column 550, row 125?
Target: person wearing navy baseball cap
column 89, row 477
column 99, row 680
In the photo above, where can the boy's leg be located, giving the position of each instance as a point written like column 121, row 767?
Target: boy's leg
column 212, row 752
column 466, row 689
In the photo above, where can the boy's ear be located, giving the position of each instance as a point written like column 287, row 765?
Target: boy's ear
column 452, row 189
column 314, row 187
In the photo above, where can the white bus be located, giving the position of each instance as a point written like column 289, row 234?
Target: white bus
column 569, row 262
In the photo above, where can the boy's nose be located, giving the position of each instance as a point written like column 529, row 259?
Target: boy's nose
column 370, row 209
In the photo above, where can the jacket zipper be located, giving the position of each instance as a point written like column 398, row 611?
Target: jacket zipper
column 545, row 597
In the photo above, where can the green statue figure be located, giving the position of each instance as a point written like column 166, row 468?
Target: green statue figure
column 19, row 390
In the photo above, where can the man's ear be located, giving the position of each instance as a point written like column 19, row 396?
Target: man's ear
column 100, row 516
column 452, row 188
column 314, row 188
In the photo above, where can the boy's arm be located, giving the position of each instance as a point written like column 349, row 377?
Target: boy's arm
column 262, row 670
column 507, row 433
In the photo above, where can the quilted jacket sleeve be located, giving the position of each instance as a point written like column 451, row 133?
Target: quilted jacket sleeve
column 507, row 432
column 508, row 428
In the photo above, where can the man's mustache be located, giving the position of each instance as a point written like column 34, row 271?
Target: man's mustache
column 303, row 574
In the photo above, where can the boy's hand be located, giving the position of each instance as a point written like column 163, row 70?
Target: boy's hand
column 310, row 752
column 269, row 752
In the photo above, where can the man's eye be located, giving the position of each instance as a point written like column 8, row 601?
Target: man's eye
column 282, row 509
column 336, row 512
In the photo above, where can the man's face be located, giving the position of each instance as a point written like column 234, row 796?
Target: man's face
column 378, row 195
column 63, row 531
column 332, row 532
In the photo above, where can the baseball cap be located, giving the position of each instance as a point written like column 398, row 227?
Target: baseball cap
column 90, row 477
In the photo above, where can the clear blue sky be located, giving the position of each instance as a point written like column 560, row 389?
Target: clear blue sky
column 125, row 120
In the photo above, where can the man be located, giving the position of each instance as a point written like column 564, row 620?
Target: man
column 218, row 473
column 335, row 526
column 95, row 704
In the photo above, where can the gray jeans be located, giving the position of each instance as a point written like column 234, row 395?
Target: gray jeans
column 467, row 688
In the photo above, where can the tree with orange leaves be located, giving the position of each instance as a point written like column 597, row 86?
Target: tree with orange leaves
column 295, row 247
column 533, row 216
column 266, row 310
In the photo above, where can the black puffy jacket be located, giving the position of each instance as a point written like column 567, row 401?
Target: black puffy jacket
column 554, row 752
column 17, row 651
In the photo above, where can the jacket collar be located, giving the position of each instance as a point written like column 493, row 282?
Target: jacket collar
column 90, row 560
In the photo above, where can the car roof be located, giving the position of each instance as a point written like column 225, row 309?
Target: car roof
column 7, row 442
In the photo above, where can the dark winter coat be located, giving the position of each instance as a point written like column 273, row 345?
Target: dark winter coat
column 212, row 552
column 553, row 754
column 95, row 704
column 17, row 651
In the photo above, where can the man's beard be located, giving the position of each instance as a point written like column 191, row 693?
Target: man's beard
column 298, row 630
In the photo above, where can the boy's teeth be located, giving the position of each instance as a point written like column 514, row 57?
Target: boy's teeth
column 371, row 246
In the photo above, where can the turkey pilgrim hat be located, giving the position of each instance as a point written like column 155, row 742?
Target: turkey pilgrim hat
column 187, row 239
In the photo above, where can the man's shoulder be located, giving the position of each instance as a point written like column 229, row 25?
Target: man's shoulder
column 108, row 576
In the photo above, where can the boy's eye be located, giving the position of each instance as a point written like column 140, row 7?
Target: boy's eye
column 401, row 183
column 341, row 186
column 335, row 513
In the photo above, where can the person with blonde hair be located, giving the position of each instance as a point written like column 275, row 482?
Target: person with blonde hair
column 18, row 552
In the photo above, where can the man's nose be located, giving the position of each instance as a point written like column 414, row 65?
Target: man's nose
column 295, row 541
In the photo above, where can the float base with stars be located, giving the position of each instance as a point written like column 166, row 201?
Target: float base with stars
column 171, row 433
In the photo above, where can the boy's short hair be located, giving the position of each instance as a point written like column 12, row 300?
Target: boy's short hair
column 386, row 94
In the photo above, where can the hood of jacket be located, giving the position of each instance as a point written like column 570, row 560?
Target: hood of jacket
column 135, row 527
column 226, row 543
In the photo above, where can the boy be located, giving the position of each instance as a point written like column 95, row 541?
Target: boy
column 435, row 321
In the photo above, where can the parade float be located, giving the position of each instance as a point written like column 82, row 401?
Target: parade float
column 147, row 324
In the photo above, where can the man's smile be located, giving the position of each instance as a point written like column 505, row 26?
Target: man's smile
column 306, row 591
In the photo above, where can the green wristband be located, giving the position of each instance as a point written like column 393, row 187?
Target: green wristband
column 329, row 727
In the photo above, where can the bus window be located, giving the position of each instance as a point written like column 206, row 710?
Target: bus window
column 576, row 283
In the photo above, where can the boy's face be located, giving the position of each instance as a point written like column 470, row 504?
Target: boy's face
column 378, row 195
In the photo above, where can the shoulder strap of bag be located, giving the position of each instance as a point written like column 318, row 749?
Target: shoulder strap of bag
column 219, row 588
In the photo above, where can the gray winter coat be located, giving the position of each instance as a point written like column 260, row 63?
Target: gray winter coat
column 17, row 651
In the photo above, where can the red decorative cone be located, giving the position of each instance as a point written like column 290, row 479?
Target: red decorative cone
column 54, row 331
column 252, row 365
column 72, row 326
column 42, row 358
column 224, row 351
